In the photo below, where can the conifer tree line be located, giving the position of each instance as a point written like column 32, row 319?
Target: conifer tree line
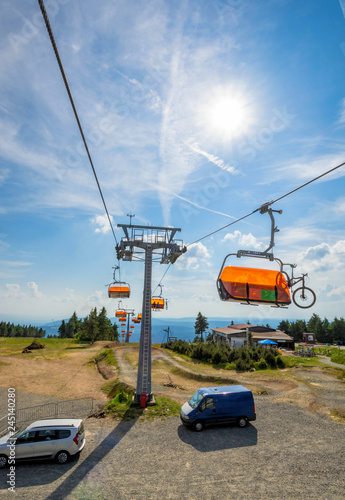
column 11, row 330
column 96, row 326
column 325, row 331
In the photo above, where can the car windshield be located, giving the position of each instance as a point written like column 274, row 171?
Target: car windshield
column 15, row 435
column 195, row 399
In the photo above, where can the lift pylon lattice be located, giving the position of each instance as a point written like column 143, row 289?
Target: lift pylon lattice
column 149, row 244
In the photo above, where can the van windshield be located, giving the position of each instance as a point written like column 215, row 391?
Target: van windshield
column 195, row 399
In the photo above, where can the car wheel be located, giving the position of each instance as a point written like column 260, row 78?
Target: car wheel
column 242, row 421
column 198, row 426
column 62, row 457
column 3, row 461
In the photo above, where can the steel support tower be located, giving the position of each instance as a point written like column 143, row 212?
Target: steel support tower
column 149, row 244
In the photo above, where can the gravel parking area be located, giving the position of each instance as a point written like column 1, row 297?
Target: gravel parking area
column 287, row 453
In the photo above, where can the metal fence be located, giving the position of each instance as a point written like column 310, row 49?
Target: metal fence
column 71, row 408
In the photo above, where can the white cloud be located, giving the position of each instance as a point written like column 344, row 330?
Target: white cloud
column 102, row 222
column 337, row 292
column 307, row 168
column 14, row 263
column 4, row 174
column 245, row 241
column 323, row 257
column 342, row 5
column 34, row 288
column 13, row 289
column 341, row 119
column 212, row 158
column 196, row 256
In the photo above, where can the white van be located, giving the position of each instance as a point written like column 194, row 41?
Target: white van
column 57, row 439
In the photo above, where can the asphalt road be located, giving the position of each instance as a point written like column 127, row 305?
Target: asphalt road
column 287, row 452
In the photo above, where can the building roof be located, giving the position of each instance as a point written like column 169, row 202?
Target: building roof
column 276, row 335
column 258, row 332
column 229, row 331
column 241, row 326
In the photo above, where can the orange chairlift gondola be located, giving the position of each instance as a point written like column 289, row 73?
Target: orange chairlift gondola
column 262, row 286
column 120, row 314
column 157, row 302
column 118, row 289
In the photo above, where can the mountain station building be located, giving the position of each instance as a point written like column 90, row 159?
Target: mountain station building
column 236, row 335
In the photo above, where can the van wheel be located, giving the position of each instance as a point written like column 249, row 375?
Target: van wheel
column 198, row 426
column 242, row 421
column 3, row 461
column 62, row 457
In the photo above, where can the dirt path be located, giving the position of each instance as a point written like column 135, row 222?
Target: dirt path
column 315, row 389
column 68, row 377
column 326, row 360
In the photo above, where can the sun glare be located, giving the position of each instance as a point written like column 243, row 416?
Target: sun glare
column 228, row 116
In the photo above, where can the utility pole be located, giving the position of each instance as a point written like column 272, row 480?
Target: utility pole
column 129, row 313
column 148, row 244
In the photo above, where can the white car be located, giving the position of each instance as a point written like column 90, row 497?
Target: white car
column 57, row 439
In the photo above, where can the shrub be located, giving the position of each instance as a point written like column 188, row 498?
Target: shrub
column 271, row 360
column 230, row 366
column 242, row 365
column 280, row 362
column 261, row 364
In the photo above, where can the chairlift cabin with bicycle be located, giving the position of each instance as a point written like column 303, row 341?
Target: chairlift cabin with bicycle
column 252, row 286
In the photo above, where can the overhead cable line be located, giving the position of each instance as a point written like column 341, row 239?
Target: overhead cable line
column 167, row 269
column 51, row 36
column 264, row 206
column 268, row 204
column 309, row 182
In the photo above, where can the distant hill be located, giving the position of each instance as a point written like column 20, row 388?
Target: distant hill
column 182, row 328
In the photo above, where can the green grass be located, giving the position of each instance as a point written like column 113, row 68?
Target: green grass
column 338, row 356
column 122, row 406
column 202, row 378
column 54, row 348
column 108, row 356
column 338, row 414
column 292, row 361
column 338, row 372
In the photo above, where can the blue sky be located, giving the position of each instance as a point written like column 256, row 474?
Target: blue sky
column 195, row 112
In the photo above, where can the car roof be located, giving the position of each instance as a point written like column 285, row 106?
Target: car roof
column 56, row 422
column 224, row 389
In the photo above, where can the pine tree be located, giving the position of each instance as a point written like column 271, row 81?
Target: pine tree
column 62, row 330
column 90, row 326
column 115, row 332
column 73, row 326
column 284, row 326
column 200, row 326
column 104, row 325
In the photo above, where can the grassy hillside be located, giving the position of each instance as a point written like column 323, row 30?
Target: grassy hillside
column 52, row 347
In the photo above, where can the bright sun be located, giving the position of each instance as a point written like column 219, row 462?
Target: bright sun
column 228, row 116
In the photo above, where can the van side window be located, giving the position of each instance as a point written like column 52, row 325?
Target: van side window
column 63, row 433
column 26, row 437
column 207, row 403
column 45, row 435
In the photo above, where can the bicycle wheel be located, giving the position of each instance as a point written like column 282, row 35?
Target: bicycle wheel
column 304, row 297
